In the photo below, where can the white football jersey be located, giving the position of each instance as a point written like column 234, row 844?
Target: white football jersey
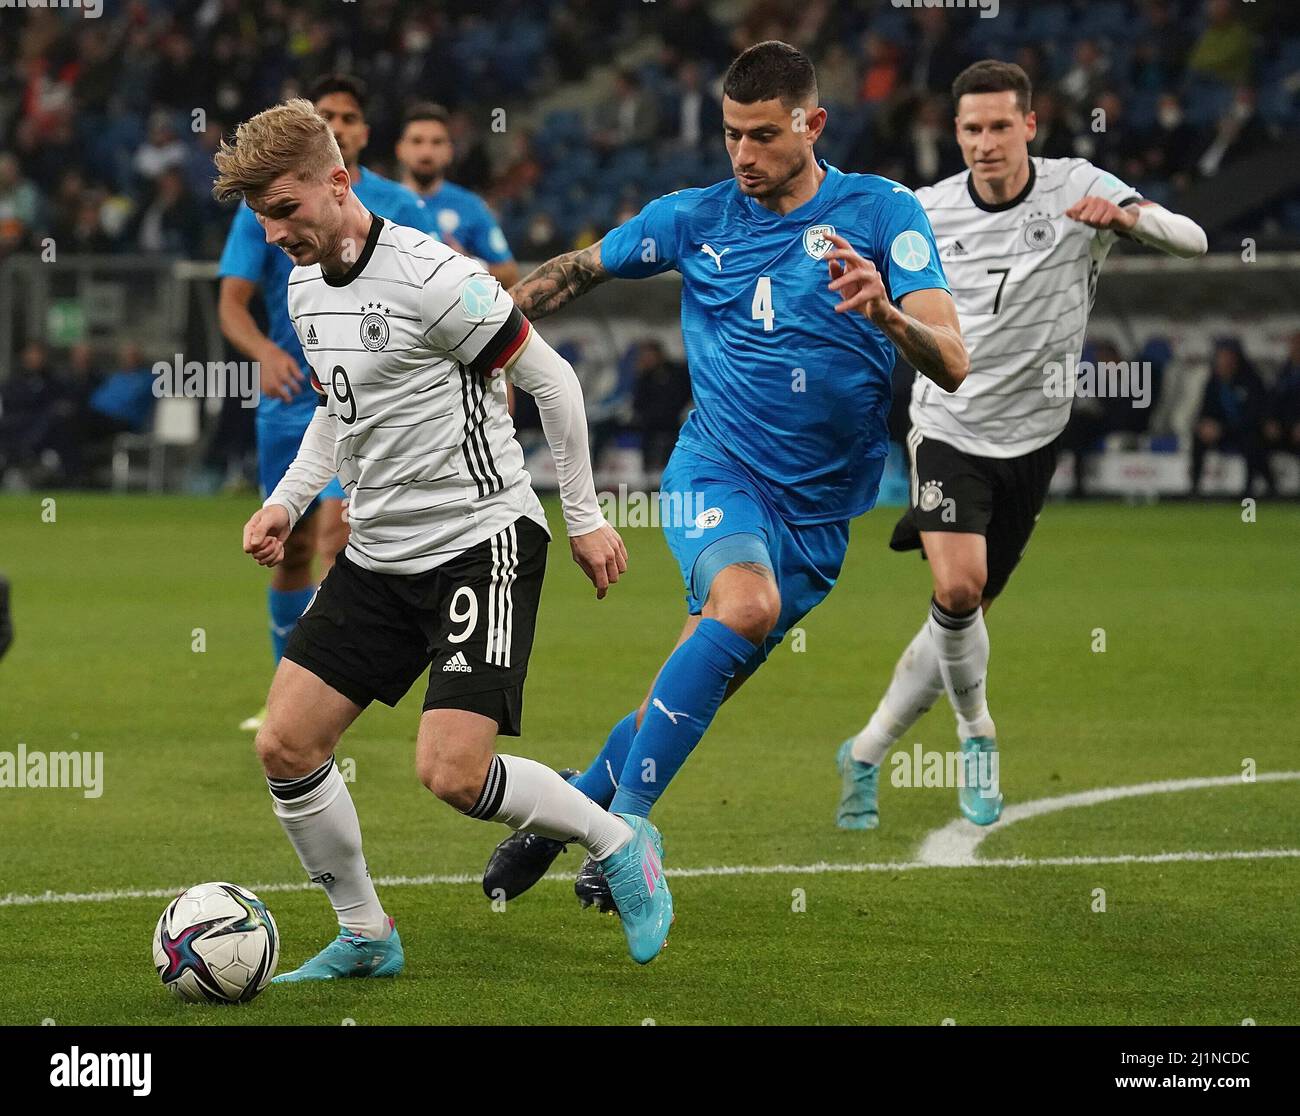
column 1024, row 278
column 403, row 347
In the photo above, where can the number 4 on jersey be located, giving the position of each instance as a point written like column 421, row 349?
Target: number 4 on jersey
column 761, row 308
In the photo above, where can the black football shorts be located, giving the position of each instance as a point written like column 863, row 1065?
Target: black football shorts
column 469, row 622
column 997, row 497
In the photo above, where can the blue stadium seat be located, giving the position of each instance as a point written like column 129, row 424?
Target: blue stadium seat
column 627, row 167
column 515, row 229
column 1289, row 55
column 1159, row 191
column 1109, row 19
column 980, row 34
column 1157, row 350
column 1277, row 106
column 1205, row 101
column 892, row 24
column 1291, row 214
column 1046, row 23
column 675, row 170
column 562, row 126
column 1141, row 105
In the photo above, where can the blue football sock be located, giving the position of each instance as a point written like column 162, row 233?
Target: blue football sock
column 286, row 605
column 685, row 698
column 600, row 780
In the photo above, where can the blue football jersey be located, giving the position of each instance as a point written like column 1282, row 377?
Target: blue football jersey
column 462, row 215
column 793, row 392
column 248, row 256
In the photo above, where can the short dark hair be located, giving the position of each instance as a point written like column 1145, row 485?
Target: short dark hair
column 771, row 70
column 992, row 76
column 426, row 110
column 354, row 87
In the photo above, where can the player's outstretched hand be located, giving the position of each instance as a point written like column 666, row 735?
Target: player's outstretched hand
column 857, row 281
column 281, row 377
column 264, row 534
column 1098, row 213
column 602, row 556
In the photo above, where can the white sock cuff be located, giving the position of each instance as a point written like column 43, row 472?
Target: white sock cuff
column 308, row 794
column 492, row 797
column 954, row 621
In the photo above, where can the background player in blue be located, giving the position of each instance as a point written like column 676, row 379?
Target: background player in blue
column 798, row 283
column 249, row 262
column 459, row 216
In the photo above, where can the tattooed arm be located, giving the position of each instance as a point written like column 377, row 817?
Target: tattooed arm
column 925, row 330
column 558, row 282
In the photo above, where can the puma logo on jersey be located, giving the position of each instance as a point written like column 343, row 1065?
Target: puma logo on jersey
column 457, row 664
column 715, row 256
column 668, row 712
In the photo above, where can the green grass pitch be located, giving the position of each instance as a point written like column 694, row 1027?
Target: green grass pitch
column 1199, row 613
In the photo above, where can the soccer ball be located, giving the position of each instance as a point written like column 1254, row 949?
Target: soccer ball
column 216, row 943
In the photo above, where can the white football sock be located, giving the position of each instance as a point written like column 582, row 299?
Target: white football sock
column 318, row 815
column 528, row 795
column 963, row 646
column 915, row 687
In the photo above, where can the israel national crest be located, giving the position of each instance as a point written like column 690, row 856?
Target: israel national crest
column 374, row 329
column 815, row 241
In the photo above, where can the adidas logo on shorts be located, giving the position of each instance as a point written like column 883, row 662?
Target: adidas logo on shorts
column 457, row 663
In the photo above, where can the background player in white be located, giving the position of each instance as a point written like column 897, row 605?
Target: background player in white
column 443, row 569
column 1022, row 241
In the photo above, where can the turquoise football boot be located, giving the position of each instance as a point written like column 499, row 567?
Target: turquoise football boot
column 858, row 785
column 351, row 955
column 639, row 889
column 591, row 887
column 981, row 796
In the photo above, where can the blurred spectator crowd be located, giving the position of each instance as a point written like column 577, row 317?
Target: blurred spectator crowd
column 60, row 416
column 1238, row 413
column 568, row 115
column 107, row 126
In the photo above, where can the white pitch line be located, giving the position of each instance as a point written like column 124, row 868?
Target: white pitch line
column 955, row 844
column 820, row 868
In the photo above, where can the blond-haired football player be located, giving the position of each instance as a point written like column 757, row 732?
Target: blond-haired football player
column 410, row 344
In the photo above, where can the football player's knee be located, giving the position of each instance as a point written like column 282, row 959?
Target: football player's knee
column 454, row 783
column 961, row 593
column 753, row 615
column 333, row 538
column 279, row 758
column 297, row 551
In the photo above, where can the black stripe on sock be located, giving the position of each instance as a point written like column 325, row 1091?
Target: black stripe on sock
column 492, row 794
column 288, row 789
column 954, row 622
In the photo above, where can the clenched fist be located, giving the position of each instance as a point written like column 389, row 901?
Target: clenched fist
column 264, row 534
